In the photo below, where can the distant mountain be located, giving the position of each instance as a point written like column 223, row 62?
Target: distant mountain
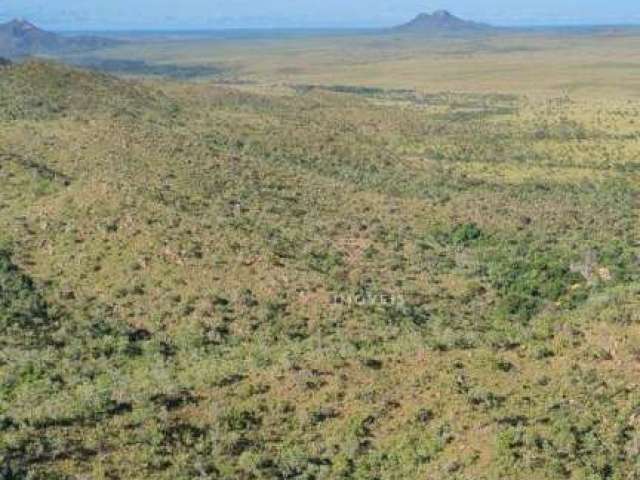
column 442, row 21
column 21, row 38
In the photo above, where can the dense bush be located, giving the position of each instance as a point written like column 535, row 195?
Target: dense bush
column 23, row 312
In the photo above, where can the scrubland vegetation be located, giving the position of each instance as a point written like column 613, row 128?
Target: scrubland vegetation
column 169, row 252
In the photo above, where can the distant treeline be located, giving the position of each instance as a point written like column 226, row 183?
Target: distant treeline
column 141, row 67
column 352, row 89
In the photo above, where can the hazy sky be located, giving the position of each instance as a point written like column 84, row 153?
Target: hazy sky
column 96, row 14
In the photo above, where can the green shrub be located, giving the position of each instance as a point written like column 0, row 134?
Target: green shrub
column 21, row 306
column 527, row 279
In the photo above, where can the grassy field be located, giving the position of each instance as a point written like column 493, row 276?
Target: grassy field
column 402, row 261
column 531, row 64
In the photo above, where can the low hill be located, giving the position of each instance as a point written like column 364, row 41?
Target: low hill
column 22, row 38
column 442, row 21
column 37, row 89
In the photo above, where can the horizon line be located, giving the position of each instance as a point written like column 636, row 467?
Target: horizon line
column 530, row 26
column 302, row 27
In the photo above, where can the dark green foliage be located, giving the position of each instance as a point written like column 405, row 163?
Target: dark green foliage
column 465, row 234
column 324, row 261
column 528, row 278
column 22, row 309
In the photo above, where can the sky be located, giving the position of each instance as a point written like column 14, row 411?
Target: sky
column 212, row 14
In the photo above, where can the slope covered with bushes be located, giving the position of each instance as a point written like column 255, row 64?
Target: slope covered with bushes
column 314, row 283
